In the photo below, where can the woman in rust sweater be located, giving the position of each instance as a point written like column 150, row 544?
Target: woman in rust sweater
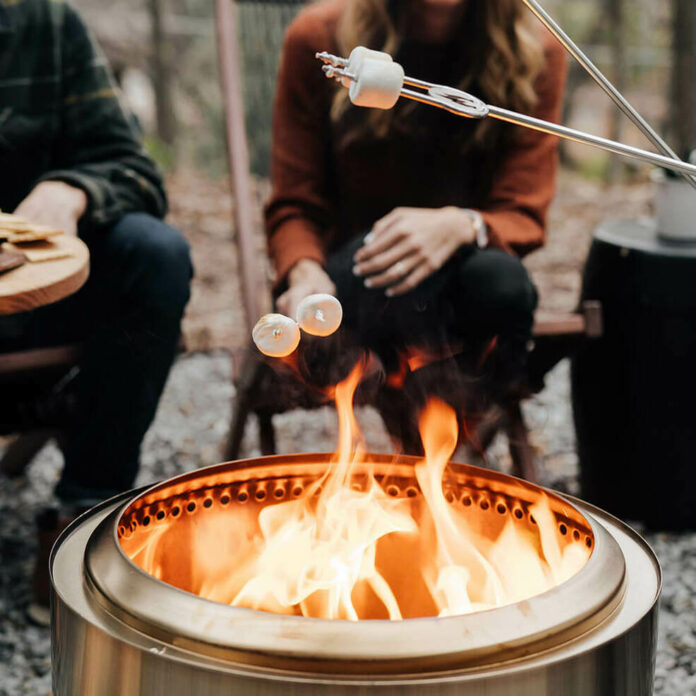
column 413, row 217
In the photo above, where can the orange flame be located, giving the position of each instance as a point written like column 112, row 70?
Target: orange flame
column 313, row 554
column 346, row 550
column 468, row 573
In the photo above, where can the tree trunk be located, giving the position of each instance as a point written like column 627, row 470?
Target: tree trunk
column 577, row 76
column 617, row 27
column 162, row 73
column 683, row 103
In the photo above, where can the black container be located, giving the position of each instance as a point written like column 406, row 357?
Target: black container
column 634, row 389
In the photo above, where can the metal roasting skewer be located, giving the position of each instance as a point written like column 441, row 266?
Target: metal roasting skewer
column 545, row 18
column 464, row 104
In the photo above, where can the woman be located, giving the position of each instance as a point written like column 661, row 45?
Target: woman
column 413, row 217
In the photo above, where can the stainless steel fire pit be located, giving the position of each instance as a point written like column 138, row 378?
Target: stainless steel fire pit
column 120, row 630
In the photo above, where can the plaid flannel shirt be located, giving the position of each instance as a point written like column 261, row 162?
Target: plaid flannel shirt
column 61, row 118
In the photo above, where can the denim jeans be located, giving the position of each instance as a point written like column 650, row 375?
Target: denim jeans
column 128, row 318
column 472, row 320
column 478, row 295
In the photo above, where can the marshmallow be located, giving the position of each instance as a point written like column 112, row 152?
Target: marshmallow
column 276, row 335
column 320, row 314
column 378, row 83
column 357, row 55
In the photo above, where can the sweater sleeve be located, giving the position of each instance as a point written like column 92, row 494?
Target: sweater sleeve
column 298, row 212
column 98, row 149
column 517, row 206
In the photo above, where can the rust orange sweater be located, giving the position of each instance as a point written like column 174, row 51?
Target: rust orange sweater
column 323, row 194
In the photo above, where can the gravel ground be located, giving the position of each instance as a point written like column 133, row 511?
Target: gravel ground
column 190, row 425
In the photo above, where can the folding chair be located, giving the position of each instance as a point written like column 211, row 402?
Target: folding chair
column 250, row 35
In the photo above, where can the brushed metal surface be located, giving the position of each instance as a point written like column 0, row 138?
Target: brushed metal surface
column 429, row 643
column 95, row 653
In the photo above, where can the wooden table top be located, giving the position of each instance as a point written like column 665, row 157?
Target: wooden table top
column 40, row 283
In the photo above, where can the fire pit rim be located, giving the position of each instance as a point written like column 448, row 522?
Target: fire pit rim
column 72, row 602
column 280, row 636
column 321, row 458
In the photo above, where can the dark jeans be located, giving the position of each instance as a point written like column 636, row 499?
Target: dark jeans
column 481, row 303
column 128, row 316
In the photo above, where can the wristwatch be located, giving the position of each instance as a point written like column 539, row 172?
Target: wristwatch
column 480, row 229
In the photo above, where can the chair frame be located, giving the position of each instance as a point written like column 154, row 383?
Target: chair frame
column 19, row 453
column 253, row 282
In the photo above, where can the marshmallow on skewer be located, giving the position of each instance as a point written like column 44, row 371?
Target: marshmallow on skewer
column 320, row 314
column 276, row 335
column 377, row 83
column 357, row 56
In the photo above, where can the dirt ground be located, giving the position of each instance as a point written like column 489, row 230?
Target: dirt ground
column 202, row 209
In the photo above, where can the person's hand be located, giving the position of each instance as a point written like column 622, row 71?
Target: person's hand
column 306, row 277
column 409, row 244
column 54, row 204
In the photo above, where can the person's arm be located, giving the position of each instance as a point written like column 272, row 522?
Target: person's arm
column 97, row 149
column 515, row 213
column 298, row 214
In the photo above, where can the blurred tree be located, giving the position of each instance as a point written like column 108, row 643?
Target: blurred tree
column 683, row 102
column 587, row 32
column 617, row 43
column 162, row 73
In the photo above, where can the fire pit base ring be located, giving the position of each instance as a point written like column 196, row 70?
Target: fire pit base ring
column 102, row 648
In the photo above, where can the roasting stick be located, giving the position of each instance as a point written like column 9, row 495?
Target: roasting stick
column 374, row 80
column 545, row 18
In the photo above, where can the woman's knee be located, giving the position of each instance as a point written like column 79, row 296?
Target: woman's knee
column 499, row 284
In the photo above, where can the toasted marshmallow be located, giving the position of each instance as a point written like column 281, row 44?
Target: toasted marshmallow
column 276, row 335
column 358, row 55
column 378, row 83
column 320, row 314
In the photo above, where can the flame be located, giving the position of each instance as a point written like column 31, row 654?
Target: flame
column 346, row 549
column 313, row 554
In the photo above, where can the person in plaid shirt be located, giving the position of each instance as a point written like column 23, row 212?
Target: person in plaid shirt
column 70, row 158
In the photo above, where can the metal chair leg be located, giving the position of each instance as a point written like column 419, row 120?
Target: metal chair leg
column 237, row 427
column 267, row 439
column 523, row 456
column 22, row 450
column 400, row 420
column 484, row 433
column 249, row 375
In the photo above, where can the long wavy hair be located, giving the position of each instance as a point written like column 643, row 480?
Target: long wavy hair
column 500, row 55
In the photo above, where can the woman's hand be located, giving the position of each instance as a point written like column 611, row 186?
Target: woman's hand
column 409, row 244
column 54, row 204
column 306, row 277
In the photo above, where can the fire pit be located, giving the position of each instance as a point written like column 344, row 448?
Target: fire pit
column 352, row 573
column 120, row 630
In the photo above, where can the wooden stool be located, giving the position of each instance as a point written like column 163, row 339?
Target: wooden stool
column 25, row 288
